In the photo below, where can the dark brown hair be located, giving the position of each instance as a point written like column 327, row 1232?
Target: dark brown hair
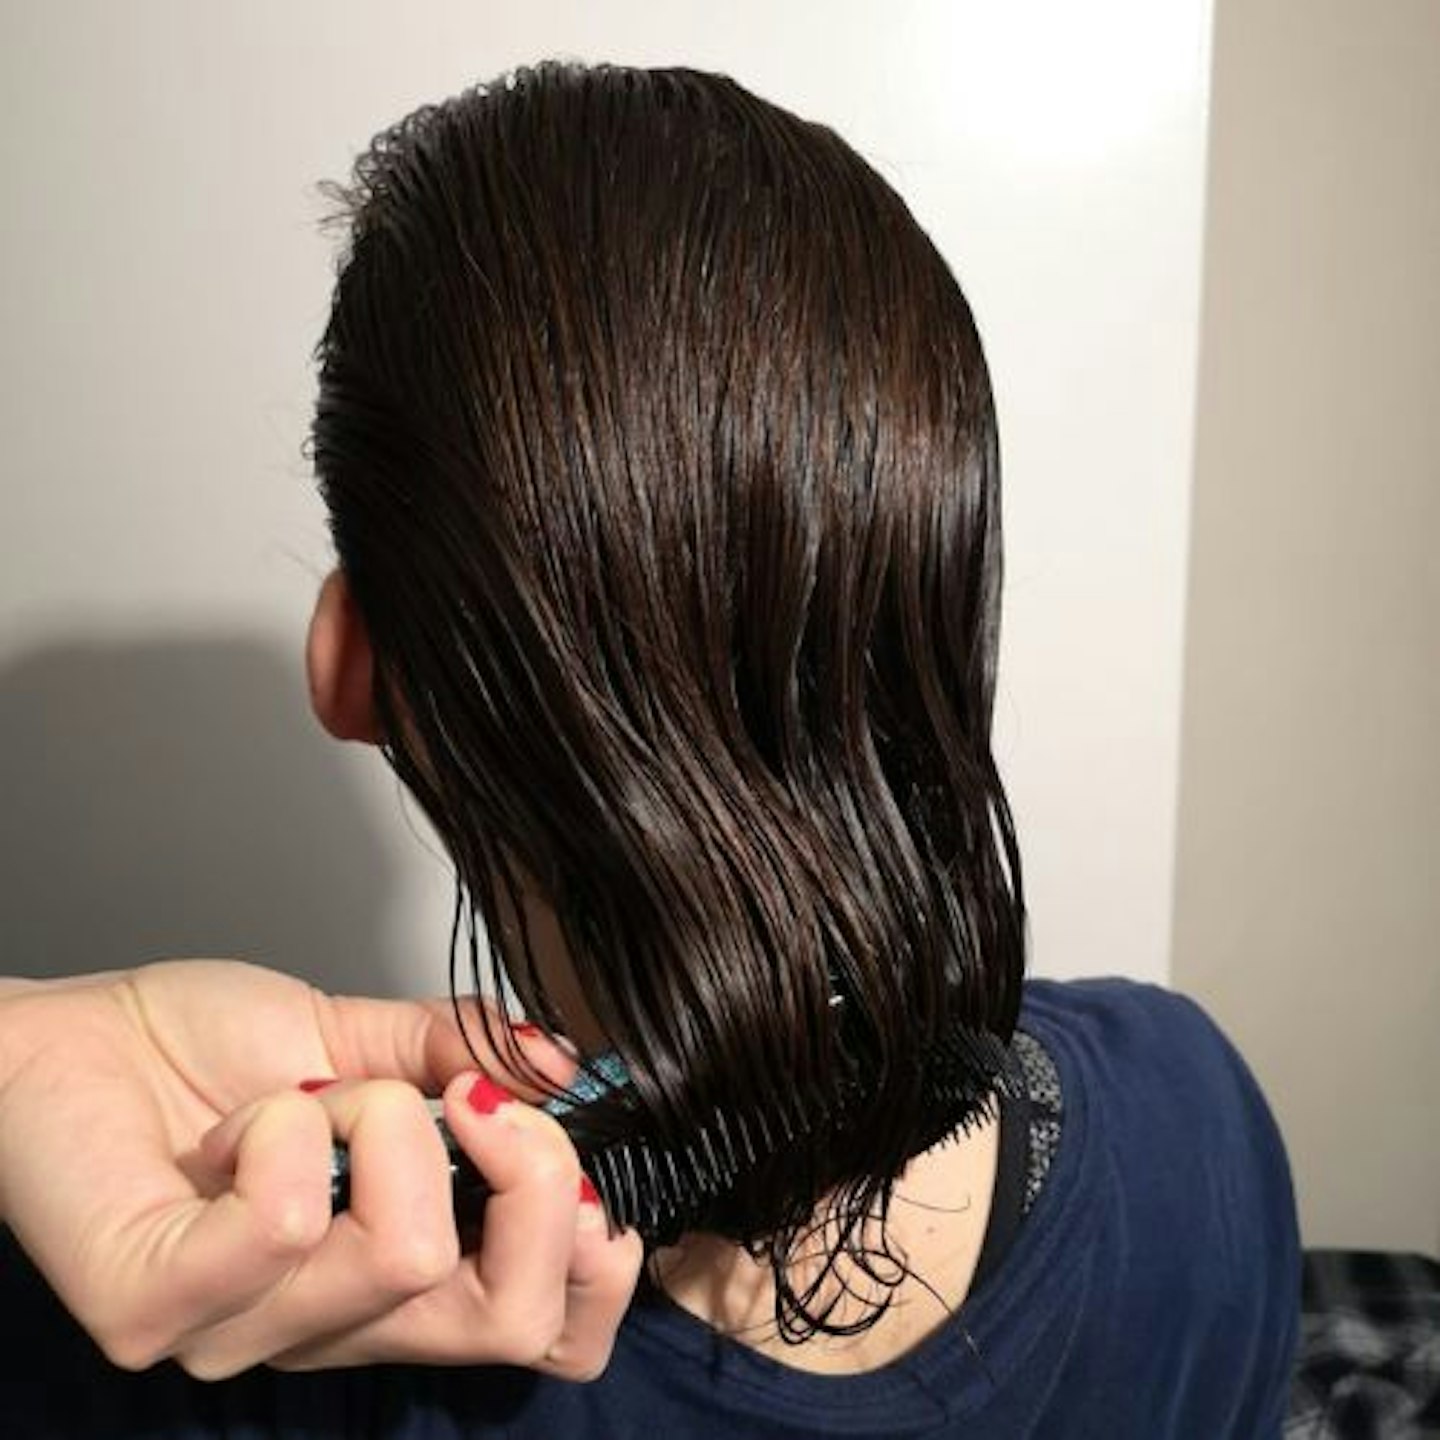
column 660, row 454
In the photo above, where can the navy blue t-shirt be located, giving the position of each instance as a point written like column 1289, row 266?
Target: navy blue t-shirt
column 1153, row 1292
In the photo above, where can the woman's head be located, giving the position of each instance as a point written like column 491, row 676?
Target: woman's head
column 660, row 455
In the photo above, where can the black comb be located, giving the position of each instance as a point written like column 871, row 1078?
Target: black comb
column 661, row 1190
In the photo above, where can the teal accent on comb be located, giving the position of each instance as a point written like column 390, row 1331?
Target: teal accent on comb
column 600, row 1076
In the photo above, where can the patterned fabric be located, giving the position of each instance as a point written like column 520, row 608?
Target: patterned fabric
column 1369, row 1363
column 1042, row 1085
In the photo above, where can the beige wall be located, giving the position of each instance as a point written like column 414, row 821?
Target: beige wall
column 1308, row 884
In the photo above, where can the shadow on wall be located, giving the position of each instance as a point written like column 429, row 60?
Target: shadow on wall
column 174, row 797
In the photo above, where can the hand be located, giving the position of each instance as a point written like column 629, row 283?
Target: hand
column 162, row 1167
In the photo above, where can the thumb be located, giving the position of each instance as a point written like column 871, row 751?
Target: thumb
column 421, row 1042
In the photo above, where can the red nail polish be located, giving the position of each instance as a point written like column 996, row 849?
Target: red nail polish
column 589, row 1195
column 526, row 1031
column 311, row 1086
column 486, row 1097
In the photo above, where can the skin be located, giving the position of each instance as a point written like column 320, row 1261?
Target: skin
column 942, row 1202
column 171, row 1180
column 937, row 1221
column 162, row 1166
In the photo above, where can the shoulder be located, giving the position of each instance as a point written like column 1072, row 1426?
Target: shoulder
column 1165, row 1096
column 1200, row 1240
column 1117, row 1007
column 1137, row 1044
column 1163, row 1086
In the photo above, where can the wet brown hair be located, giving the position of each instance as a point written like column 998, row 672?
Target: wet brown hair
column 660, row 454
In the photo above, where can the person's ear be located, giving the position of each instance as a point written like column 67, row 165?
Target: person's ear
column 340, row 665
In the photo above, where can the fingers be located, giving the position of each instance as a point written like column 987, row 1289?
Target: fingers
column 519, row 1270
column 396, row 1239
column 547, row 1285
column 600, row 1284
column 548, row 1269
column 219, row 1248
column 202, row 1260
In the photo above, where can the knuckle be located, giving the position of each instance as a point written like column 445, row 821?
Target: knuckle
column 529, row 1335
column 282, row 1113
column 417, row 1264
column 554, row 1164
column 392, row 1098
column 207, row 1367
column 129, row 1347
column 290, row 1106
column 584, row 1367
column 291, row 1226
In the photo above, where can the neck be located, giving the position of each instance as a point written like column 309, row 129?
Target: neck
column 936, row 1227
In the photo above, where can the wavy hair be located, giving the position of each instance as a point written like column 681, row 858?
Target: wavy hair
column 660, row 455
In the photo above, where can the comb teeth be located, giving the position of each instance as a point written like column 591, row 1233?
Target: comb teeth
column 660, row 1191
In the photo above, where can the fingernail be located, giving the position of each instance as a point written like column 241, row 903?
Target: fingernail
column 592, row 1213
column 526, row 1031
column 486, row 1097
column 311, row 1086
